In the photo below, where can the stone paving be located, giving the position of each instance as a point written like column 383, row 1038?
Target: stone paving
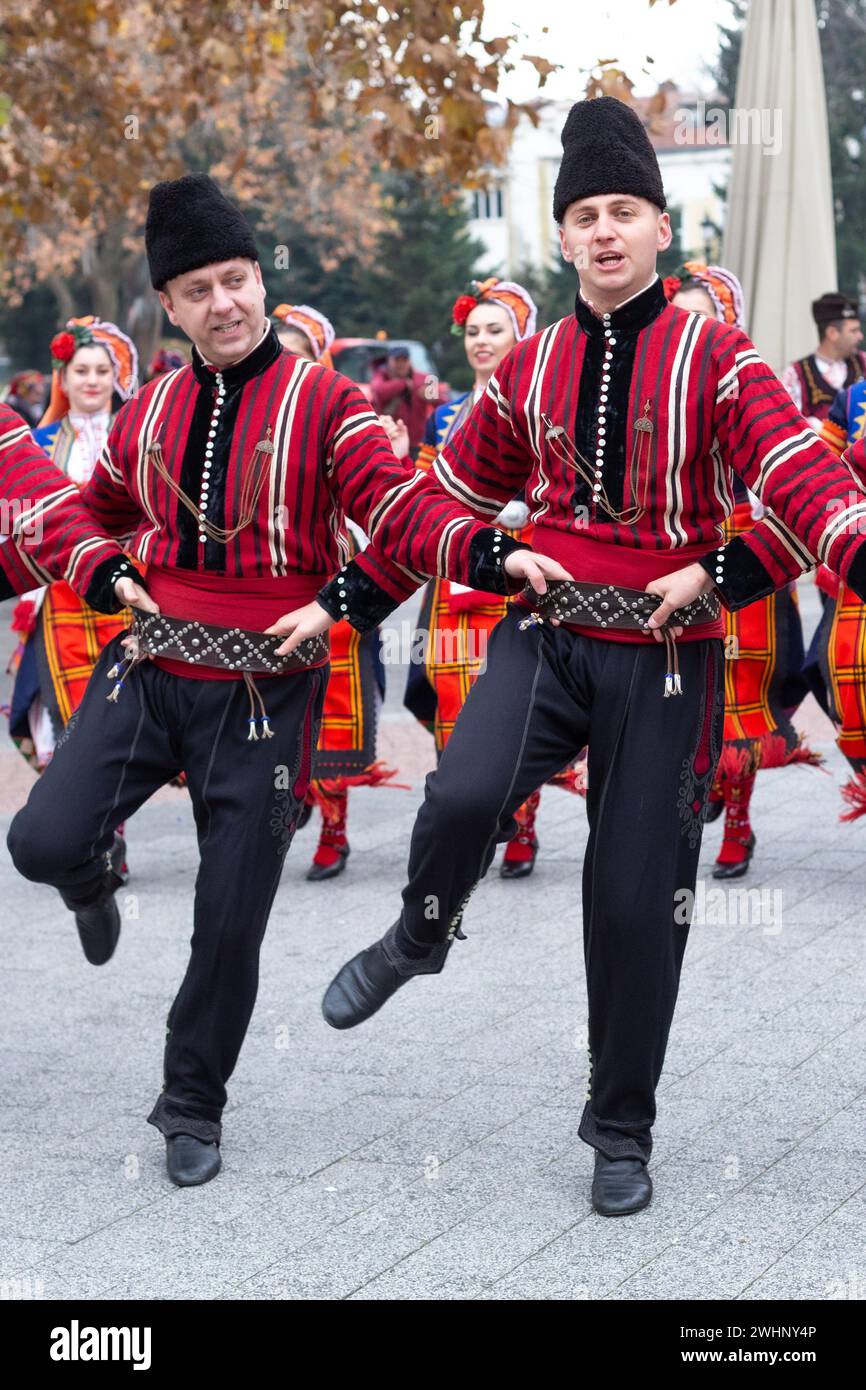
column 433, row 1153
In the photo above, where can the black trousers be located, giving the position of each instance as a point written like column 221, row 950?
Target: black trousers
column 545, row 693
column 246, row 797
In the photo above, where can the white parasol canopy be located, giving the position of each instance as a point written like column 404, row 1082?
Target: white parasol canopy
column 780, row 236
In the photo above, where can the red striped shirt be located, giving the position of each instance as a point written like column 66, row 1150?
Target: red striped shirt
column 714, row 406
column 330, row 457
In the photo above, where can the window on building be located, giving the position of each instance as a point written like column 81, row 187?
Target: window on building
column 487, row 203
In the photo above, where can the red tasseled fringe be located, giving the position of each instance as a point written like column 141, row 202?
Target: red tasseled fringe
column 854, row 792
column 378, row 774
column 735, row 762
column 571, row 779
column 768, row 751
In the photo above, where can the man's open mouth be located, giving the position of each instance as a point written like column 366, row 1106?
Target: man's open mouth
column 610, row 259
column 228, row 327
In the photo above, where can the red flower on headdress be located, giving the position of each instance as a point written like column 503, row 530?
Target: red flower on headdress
column 671, row 285
column 463, row 306
column 62, row 347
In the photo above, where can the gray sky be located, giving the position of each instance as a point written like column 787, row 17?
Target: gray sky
column 681, row 38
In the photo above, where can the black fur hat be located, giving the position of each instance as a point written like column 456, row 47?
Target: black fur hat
column 191, row 223
column 830, row 308
column 605, row 150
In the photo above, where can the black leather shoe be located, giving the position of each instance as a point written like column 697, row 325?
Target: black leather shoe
column 317, row 872
column 620, row 1185
column 191, row 1161
column 361, row 987
column 520, row 868
column 98, row 928
column 737, row 870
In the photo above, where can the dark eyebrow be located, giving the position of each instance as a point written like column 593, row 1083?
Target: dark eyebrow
column 625, row 200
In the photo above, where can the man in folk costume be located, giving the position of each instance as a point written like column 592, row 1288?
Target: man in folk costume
column 409, row 396
column 838, row 650
column 93, row 362
column 346, row 750
column 623, row 422
column 232, row 476
column 46, row 532
column 763, row 642
column 836, row 363
column 455, row 621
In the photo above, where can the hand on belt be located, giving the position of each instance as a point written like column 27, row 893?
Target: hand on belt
column 225, row 649
column 614, row 606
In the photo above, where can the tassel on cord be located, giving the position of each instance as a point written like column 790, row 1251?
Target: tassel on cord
column 253, row 692
column 532, row 621
column 673, row 682
column 129, row 661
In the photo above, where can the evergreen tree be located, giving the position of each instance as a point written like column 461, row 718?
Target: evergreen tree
column 730, row 44
column 553, row 289
column 669, row 261
column 420, row 269
column 842, row 26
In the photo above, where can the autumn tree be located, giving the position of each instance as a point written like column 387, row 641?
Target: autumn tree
column 292, row 106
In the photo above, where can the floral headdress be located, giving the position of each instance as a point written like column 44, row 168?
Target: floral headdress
column 721, row 285
column 514, row 299
column 318, row 330
column 90, row 331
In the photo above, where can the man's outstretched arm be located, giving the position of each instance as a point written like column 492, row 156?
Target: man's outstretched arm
column 817, row 501
column 47, row 533
column 818, row 504
column 419, row 527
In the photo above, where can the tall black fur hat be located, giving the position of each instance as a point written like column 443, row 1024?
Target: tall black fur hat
column 191, row 223
column 605, row 150
column 830, row 308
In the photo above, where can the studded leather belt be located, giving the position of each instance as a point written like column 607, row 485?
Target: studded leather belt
column 613, row 606
column 226, row 648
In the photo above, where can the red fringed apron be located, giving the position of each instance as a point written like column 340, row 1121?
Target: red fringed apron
column 72, row 636
column 456, row 649
column 758, row 733
column 346, row 751
column 844, row 661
